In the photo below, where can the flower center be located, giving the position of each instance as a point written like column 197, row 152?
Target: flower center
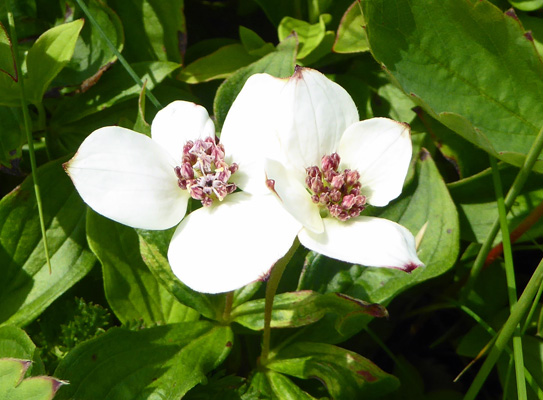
column 336, row 193
column 203, row 171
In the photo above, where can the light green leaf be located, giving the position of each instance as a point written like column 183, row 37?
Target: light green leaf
column 15, row 343
column 7, row 60
column 280, row 63
column 345, row 374
column 469, row 48
column 13, row 386
column 527, row 5
column 295, row 309
column 254, row 44
column 154, row 29
column 156, row 363
column 132, row 291
column 154, row 250
column 115, row 86
column 309, row 35
column 217, row 65
column 48, row 56
column 351, row 37
column 27, row 287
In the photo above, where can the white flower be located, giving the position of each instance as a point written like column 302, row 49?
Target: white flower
column 328, row 165
column 146, row 183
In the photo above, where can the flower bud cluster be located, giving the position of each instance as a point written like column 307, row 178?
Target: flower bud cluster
column 337, row 192
column 203, row 171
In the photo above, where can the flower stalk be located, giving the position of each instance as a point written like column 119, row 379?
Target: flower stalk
column 271, row 289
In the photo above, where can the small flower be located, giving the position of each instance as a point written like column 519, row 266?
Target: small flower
column 331, row 166
column 147, row 182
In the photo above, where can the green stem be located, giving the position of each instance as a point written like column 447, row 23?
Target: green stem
column 271, row 288
column 115, row 51
column 29, row 137
column 518, row 311
column 510, row 278
column 517, row 186
column 228, row 301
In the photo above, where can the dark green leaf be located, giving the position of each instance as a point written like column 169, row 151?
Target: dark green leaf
column 7, row 60
column 271, row 385
column 280, row 63
column 345, row 374
column 161, row 362
column 11, row 134
column 115, row 86
column 154, row 29
column 254, row 44
column 132, row 291
column 27, row 287
column 469, row 49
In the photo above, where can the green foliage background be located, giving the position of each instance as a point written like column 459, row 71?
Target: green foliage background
column 113, row 320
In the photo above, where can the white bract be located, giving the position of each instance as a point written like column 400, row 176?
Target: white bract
column 328, row 165
column 144, row 182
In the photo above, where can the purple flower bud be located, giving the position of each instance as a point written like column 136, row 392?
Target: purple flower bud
column 186, row 171
column 338, row 181
column 351, row 177
column 220, row 190
column 335, row 196
column 233, row 168
column 330, row 163
column 315, row 199
column 207, row 201
column 347, row 202
column 197, row 193
column 316, row 185
column 335, row 210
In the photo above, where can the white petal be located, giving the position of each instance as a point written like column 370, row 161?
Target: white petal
column 369, row 241
column 227, row 246
column 178, row 123
column 380, row 149
column 128, row 178
column 313, row 114
column 291, row 189
column 248, row 133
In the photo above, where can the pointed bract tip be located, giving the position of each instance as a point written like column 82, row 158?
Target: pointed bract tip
column 528, row 35
column 57, row 383
column 511, row 13
column 424, row 154
column 298, row 70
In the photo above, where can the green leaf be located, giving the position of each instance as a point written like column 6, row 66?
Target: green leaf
column 527, row 5
column 271, row 385
column 309, row 35
column 280, row 63
column 469, row 48
column 277, row 9
column 12, row 135
column 295, row 309
column 351, row 37
column 161, row 362
column 48, row 56
column 131, row 289
column 345, row 374
column 13, row 386
column 91, row 55
column 115, row 86
column 154, row 250
column 477, row 204
column 254, row 44
column 155, row 29
column 15, row 343
column 217, row 65
column 7, row 59
column 27, row 287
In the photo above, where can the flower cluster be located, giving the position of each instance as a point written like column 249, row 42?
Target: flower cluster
column 269, row 187
column 334, row 191
column 203, row 171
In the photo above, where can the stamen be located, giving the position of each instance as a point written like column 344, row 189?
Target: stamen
column 336, row 193
column 203, row 171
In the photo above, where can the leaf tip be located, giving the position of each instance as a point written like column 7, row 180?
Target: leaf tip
column 511, row 13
